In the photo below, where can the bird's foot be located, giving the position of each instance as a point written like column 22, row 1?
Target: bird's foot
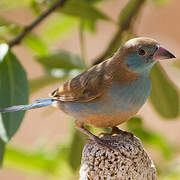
column 116, row 130
column 107, row 144
column 103, row 134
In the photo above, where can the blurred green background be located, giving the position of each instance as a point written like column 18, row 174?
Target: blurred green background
column 72, row 38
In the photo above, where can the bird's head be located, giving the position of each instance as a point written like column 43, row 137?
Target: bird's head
column 141, row 54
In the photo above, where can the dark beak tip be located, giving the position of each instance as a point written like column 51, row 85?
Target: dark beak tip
column 173, row 56
column 169, row 55
column 163, row 53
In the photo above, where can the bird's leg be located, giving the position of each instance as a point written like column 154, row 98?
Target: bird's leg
column 116, row 130
column 102, row 142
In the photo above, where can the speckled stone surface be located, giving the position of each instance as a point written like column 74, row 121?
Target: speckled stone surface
column 131, row 162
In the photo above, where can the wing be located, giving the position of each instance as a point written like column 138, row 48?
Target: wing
column 86, row 86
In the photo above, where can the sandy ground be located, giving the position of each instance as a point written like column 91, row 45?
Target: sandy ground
column 49, row 126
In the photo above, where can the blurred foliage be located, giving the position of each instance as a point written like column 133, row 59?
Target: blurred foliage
column 149, row 137
column 57, row 27
column 165, row 100
column 76, row 146
column 160, row 2
column 61, row 60
column 36, row 45
column 63, row 160
column 51, row 162
column 2, row 150
column 43, row 82
column 84, row 10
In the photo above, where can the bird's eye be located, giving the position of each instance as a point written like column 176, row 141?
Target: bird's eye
column 141, row 52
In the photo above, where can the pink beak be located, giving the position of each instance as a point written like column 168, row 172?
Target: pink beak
column 161, row 53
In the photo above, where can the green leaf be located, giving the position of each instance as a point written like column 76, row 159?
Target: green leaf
column 41, row 82
column 160, row 2
column 61, row 60
column 83, row 10
column 9, row 27
column 57, row 28
column 89, row 25
column 35, row 6
column 9, row 4
column 36, row 45
column 149, row 137
column 25, row 159
column 164, row 95
column 76, row 147
column 13, row 91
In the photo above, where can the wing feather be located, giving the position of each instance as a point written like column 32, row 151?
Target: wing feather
column 86, row 86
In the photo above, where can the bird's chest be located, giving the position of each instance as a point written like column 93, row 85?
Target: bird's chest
column 128, row 97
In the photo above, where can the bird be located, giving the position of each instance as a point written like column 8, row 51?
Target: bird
column 109, row 93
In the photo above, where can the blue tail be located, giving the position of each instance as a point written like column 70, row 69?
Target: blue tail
column 37, row 104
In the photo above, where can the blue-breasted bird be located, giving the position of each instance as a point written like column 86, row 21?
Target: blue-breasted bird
column 109, row 93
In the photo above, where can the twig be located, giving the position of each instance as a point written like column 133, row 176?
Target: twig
column 124, row 25
column 27, row 29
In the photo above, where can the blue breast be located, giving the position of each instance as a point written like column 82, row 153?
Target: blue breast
column 130, row 96
column 119, row 98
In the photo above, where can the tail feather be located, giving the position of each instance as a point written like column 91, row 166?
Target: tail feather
column 37, row 104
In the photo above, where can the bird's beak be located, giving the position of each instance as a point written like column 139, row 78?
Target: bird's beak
column 162, row 53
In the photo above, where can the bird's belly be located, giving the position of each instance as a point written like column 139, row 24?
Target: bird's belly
column 107, row 120
column 98, row 114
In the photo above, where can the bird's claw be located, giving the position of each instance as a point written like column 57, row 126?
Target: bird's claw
column 103, row 143
column 104, row 134
column 116, row 130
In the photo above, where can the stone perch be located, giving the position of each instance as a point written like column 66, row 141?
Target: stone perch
column 130, row 162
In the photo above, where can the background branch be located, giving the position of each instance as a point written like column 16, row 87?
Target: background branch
column 126, row 22
column 27, row 29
